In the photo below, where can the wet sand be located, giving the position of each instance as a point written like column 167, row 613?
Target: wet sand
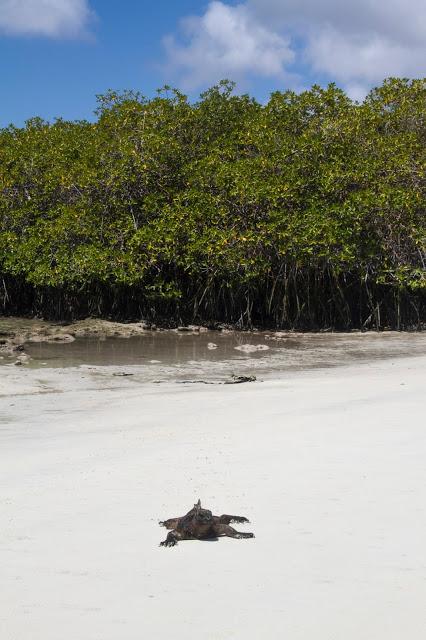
column 102, row 349
column 327, row 463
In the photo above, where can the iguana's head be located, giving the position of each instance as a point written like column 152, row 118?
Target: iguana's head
column 200, row 514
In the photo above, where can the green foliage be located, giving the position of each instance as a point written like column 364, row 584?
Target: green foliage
column 307, row 211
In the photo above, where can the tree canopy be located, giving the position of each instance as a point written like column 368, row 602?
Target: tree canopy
column 305, row 212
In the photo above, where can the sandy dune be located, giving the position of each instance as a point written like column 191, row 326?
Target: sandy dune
column 329, row 466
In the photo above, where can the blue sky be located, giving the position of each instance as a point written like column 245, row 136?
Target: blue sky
column 55, row 55
column 59, row 76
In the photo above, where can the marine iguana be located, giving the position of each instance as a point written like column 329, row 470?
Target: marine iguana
column 201, row 524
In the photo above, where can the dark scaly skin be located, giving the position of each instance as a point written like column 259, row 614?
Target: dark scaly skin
column 201, row 524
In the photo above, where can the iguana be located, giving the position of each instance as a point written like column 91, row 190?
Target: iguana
column 201, row 524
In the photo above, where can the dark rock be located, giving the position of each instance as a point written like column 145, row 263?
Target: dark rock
column 241, row 379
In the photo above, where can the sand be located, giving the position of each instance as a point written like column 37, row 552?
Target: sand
column 329, row 465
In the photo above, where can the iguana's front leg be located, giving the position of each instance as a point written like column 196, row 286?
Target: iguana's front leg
column 171, row 523
column 225, row 519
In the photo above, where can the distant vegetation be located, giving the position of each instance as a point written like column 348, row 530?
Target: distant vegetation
column 307, row 212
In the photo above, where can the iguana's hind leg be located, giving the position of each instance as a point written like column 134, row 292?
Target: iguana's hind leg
column 173, row 538
column 226, row 530
column 225, row 519
column 171, row 523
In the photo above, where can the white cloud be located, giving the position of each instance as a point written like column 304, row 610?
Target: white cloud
column 363, row 57
column 226, row 42
column 354, row 42
column 51, row 18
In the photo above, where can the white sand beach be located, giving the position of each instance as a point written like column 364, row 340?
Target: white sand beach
column 329, row 465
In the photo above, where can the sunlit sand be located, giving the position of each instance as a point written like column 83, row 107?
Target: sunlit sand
column 328, row 465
